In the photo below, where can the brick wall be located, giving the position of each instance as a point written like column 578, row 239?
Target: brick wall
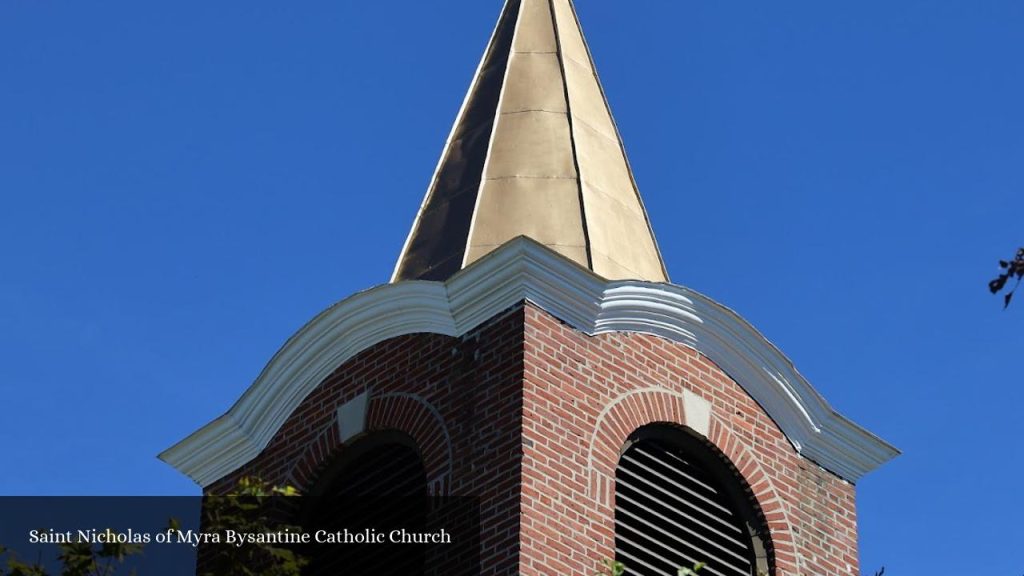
column 458, row 398
column 583, row 396
column 529, row 415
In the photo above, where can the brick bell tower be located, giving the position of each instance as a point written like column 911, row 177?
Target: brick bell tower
column 530, row 351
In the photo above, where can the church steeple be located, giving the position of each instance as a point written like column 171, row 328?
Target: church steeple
column 534, row 152
column 582, row 418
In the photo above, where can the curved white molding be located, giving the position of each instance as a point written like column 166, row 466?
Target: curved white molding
column 525, row 270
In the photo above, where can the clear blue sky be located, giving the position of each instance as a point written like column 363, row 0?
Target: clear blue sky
column 185, row 184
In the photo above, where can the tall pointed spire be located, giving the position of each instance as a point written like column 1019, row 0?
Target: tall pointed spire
column 535, row 152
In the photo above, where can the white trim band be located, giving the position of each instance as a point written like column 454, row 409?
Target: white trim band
column 525, row 270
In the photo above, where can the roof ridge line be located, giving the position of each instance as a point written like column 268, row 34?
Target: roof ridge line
column 618, row 134
column 560, row 53
column 432, row 186
column 475, row 215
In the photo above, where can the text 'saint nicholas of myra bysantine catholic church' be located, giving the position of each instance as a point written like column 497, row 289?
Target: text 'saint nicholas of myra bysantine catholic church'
column 531, row 352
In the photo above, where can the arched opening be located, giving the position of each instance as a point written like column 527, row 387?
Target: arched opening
column 678, row 502
column 378, row 484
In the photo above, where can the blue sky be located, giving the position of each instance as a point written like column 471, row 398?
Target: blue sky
column 185, row 184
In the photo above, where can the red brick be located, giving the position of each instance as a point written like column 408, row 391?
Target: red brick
column 522, row 418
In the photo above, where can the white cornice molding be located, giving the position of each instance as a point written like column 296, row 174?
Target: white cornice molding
column 525, row 270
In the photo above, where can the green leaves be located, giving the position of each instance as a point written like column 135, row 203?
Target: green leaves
column 255, row 486
column 16, row 567
column 78, row 559
column 83, row 559
column 286, row 491
column 611, row 568
column 692, row 571
column 244, row 511
column 1011, row 269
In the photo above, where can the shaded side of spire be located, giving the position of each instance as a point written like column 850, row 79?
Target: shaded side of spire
column 436, row 246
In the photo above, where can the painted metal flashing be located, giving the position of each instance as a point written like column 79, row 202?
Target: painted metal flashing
column 534, row 151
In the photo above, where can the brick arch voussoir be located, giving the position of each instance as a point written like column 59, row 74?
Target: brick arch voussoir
column 620, row 418
column 406, row 413
column 415, row 416
column 314, row 459
column 775, row 509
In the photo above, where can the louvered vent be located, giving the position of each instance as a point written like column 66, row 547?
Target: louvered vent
column 383, row 488
column 672, row 511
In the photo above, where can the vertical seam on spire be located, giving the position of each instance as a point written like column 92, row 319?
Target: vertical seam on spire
column 572, row 133
column 494, row 130
column 622, row 146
